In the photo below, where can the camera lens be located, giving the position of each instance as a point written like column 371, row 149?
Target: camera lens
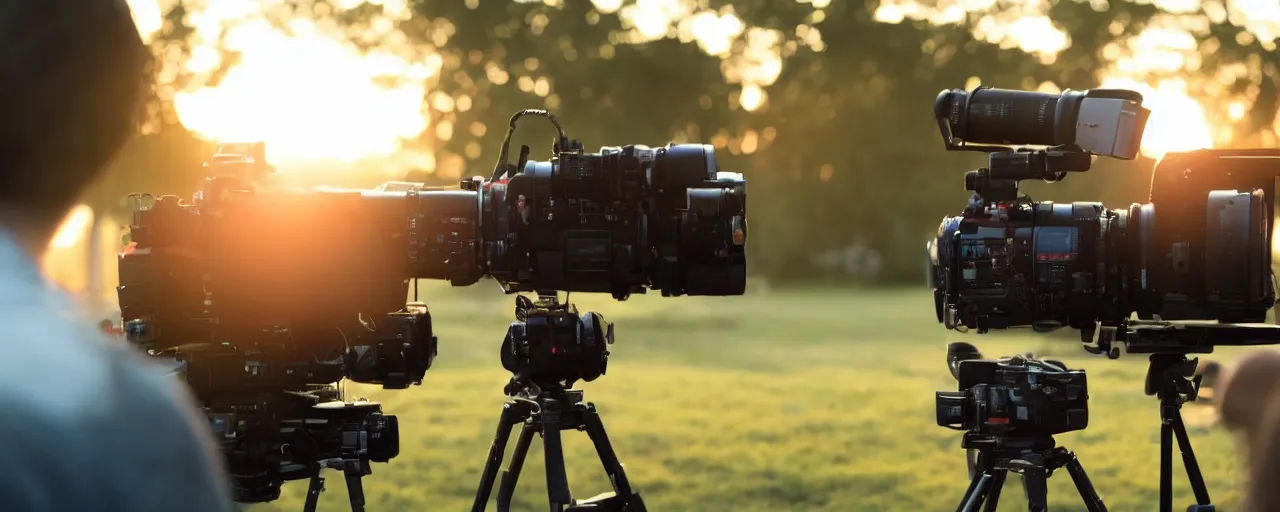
column 1000, row 116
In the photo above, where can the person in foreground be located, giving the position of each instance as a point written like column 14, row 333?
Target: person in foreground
column 1247, row 394
column 87, row 423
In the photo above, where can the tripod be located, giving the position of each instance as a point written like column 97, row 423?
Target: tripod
column 547, row 412
column 1035, row 459
column 1170, row 378
column 353, row 470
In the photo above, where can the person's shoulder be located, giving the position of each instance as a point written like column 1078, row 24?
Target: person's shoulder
column 76, row 399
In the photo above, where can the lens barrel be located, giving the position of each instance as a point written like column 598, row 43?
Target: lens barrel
column 1003, row 116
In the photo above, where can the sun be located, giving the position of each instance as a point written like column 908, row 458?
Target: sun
column 304, row 88
column 1177, row 121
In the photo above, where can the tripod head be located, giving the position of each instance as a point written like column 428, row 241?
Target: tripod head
column 551, row 345
column 1006, row 445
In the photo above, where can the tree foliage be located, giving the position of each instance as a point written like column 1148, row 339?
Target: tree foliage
column 842, row 159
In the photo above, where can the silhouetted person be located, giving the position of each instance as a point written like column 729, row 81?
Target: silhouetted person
column 85, row 423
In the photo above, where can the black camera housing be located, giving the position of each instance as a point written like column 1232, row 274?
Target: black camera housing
column 1015, row 398
column 264, row 300
column 403, row 350
column 1199, row 250
column 620, row 221
column 552, row 344
column 265, row 448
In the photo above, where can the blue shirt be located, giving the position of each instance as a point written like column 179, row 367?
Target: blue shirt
column 87, row 423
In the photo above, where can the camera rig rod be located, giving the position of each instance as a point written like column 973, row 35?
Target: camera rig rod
column 1035, row 460
column 548, row 413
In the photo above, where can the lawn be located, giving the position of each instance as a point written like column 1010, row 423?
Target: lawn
column 777, row 401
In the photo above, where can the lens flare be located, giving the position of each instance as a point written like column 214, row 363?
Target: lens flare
column 301, row 85
column 73, row 229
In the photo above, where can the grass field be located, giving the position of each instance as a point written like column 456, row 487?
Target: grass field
column 778, row 401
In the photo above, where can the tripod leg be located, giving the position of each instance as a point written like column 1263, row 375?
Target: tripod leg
column 313, row 492
column 1189, row 460
column 557, row 481
column 510, row 416
column 1035, row 483
column 608, row 458
column 1166, row 459
column 976, row 492
column 355, row 489
column 993, row 490
column 507, row 486
column 1092, row 502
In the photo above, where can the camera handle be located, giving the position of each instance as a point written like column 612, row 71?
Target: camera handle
column 502, row 167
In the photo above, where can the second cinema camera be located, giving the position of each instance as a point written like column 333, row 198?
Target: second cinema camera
column 1199, row 249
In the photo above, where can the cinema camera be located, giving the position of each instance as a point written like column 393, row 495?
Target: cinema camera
column 619, row 221
column 1015, row 397
column 1010, row 409
column 260, row 298
column 1192, row 264
column 280, row 283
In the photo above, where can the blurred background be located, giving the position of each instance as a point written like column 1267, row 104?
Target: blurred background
column 814, row 391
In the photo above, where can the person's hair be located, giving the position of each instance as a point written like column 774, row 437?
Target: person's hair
column 73, row 82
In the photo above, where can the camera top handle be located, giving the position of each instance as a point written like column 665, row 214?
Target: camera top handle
column 503, row 166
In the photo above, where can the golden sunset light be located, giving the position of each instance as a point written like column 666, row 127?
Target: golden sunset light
column 1177, row 121
column 304, row 89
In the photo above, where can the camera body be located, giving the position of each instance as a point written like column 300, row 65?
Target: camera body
column 620, row 221
column 261, row 299
column 1015, row 397
column 264, row 448
column 284, row 277
column 1203, row 241
column 1198, row 250
column 552, row 344
column 403, row 350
